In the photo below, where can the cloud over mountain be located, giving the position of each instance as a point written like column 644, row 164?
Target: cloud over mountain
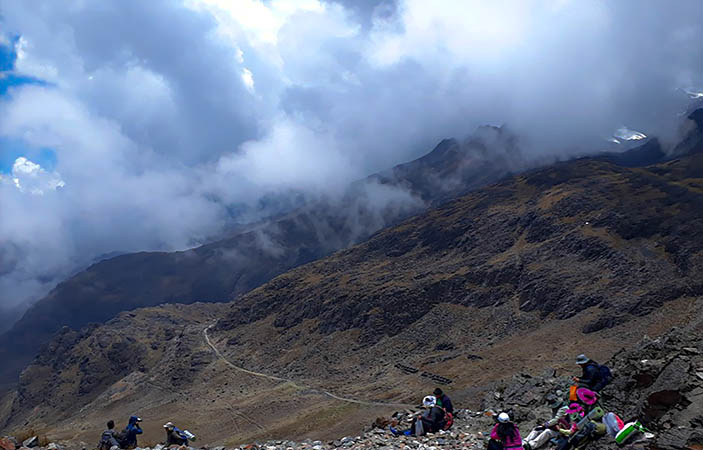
column 171, row 119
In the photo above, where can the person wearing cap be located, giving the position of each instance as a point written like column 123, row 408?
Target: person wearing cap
column 443, row 400
column 433, row 416
column 173, row 435
column 544, row 433
column 591, row 376
column 430, row 421
column 131, row 432
column 506, row 432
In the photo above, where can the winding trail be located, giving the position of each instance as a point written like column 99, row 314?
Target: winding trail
column 293, row 382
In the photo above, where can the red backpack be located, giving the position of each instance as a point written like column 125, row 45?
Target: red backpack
column 448, row 420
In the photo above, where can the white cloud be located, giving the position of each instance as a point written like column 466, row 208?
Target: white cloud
column 248, row 79
column 28, row 65
column 30, row 177
column 258, row 22
column 157, row 134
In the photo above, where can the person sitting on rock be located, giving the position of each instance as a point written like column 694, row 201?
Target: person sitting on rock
column 543, row 433
column 430, row 421
column 174, row 435
column 594, row 376
column 110, row 437
column 131, row 432
column 584, row 428
column 443, row 400
column 506, row 432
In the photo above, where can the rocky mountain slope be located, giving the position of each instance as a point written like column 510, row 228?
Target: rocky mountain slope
column 580, row 256
column 222, row 270
column 556, row 241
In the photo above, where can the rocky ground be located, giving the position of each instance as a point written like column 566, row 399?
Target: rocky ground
column 659, row 381
column 464, row 434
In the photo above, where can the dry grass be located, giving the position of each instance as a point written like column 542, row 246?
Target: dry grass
column 552, row 197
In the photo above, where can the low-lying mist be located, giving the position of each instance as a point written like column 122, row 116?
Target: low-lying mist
column 169, row 124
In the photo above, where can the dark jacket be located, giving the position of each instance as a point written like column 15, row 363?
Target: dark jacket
column 131, row 432
column 433, row 419
column 445, row 402
column 174, row 437
column 109, row 439
column 591, row 376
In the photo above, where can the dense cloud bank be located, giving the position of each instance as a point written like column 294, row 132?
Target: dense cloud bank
column 170, row 121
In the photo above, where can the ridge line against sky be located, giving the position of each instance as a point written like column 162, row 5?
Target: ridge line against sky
column 144, row 125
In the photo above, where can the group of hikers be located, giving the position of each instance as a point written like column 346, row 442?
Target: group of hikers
column 438, row 414
column 577, row 417
column 112, row 439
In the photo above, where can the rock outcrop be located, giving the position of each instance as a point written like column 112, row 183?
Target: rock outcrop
column 659, row 381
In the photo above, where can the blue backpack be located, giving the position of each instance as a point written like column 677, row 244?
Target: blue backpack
column 605, row 374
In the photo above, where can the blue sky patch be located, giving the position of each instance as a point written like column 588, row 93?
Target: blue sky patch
column 11, row 149
column 8, row 56
column 9, row 78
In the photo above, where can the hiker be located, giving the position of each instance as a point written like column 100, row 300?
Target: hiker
column 585, row 428
column 433, row 417
column 505, row 434
column 131, row 432
column 443, row 401
column 595, row 376
column 544, row 433
column 110, row 437
column 174, row 436
column 430, row 421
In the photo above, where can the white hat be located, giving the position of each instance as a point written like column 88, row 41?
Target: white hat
column 582, row 359
column 503, row 417
column 429, row 401
column 168, row 425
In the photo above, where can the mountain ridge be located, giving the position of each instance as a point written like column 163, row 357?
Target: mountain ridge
column 222, row 270
column 583, row 253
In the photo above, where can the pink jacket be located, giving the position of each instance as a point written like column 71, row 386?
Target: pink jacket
column 514, row 441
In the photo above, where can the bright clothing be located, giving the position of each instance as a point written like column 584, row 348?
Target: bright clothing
column 514, row 441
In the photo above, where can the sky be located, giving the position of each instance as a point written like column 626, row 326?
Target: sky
column 128, row 125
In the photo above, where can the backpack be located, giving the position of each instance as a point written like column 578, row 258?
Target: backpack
column 605, row 374
column 106, row 440
column 104, row 443
column 448, row 420
column 572, row 393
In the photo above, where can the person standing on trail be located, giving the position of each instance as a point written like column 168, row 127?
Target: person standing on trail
column 506, row 433
column 594, row 376
column 443, row 400
column 131, row 432
column 110, row 437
